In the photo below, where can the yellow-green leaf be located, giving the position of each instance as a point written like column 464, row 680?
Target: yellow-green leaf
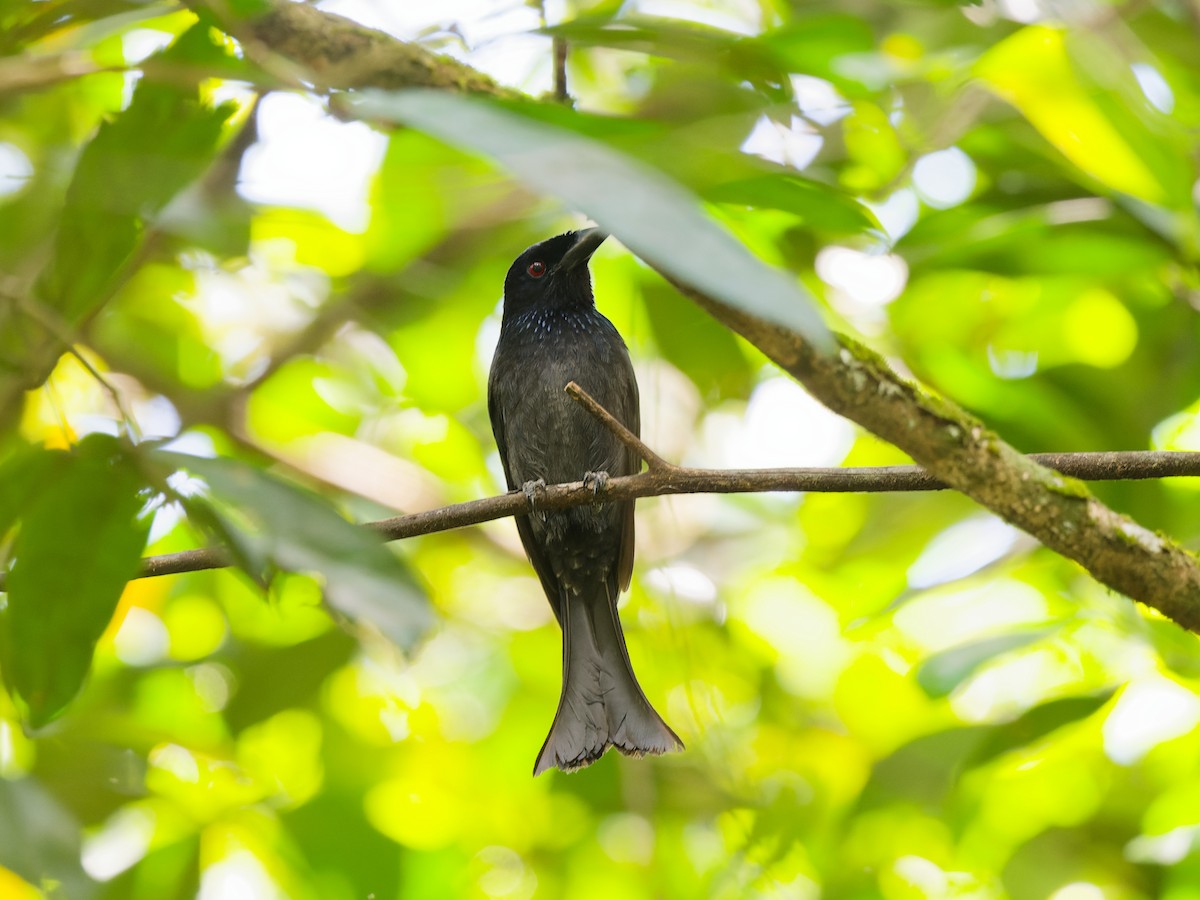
column 1033, row 71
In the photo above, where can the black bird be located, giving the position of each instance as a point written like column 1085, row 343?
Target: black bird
column 552, row 334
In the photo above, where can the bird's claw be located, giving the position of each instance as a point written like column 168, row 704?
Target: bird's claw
column 534, row 491
column 597, row 481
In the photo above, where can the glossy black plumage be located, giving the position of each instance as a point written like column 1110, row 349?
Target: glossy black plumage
column 552, row 334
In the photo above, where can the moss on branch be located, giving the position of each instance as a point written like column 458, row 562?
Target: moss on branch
column 338, row 53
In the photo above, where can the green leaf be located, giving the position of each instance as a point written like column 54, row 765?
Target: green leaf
column 297, row 531
column 820, row 206
column 127, row 173
column 874, row 145
column 693, row 42
column 820, row 45
column 79, row 542
column 39, row 839
column 923, row 771
column 22, row 478
column 650, row 213
column 1027, row 240
column 1064, row 88
column 673, row 38
column 248, row 9
column 943, row 672
column 1036, row 723
column 708, row 353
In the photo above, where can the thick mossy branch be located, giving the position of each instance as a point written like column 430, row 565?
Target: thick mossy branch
column 962, row 452
column 338, row 53
column 952, row 446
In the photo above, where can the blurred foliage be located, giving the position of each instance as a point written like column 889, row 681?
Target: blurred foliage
column 887, row 696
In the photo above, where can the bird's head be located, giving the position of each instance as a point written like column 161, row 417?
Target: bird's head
column 553, row 273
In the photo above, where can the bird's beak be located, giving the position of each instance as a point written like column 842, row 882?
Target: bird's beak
column 581, row 251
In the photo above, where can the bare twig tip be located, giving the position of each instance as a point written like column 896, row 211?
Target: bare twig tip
column 623, row 434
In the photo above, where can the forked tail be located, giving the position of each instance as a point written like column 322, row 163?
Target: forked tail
column 602, row 704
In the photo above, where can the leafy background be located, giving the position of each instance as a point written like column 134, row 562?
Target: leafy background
column 882, row 695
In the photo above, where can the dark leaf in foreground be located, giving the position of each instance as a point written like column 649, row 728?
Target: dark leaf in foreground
column 79, row 542
column 297, row 531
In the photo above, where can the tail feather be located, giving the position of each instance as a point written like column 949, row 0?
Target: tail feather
column 602, row 704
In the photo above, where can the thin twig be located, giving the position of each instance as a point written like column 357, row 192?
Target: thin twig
column 560, row 71
column 1123, row 465
column 559, row 53
column 61, row 331
column 623, row 434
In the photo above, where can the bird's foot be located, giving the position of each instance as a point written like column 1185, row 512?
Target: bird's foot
column 534, row 491
column 597, row 481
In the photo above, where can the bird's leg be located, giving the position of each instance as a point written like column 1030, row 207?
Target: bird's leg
column 534, row 491
column 597, row 481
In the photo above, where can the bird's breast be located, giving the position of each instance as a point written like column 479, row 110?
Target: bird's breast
column 549, row 435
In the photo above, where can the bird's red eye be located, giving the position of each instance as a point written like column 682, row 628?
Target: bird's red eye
column 537, row 269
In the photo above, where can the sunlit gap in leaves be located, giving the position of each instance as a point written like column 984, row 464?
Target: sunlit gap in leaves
column 671, row 408
column 932, row 880
column 804, row 631
column 627, row 838
column 16, row 751
column 239, row 876
column 73, row 403
column 142, row 639
column 897, row 214
column 944, row 178
column 306, row 159
column 794, row 145
column 1012, row 364
column 862, row 284
column 1040, row 657
column 120, row 842
column 138, row 44
column 797, row 143
column 781, row 425
column 1148, row 712
column 1155, row 87
column 1023, row 11
column 239, row 312
column 951, row 614
column 961, row 550
column 818, row 100
column 1015, row 683
column 1160, row 849
column 865, row 282
column 684, row 582
column 15, row 169
column 738, row 17
column 1079, row 890
column 501, row 872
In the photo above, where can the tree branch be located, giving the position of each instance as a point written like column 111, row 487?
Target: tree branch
column 960, row 451
column 623, row 434
column 954, row 447
column 338, row 53
column 667, row 478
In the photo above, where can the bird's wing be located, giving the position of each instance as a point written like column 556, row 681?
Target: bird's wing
column 524, row 528
column 632, row 417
